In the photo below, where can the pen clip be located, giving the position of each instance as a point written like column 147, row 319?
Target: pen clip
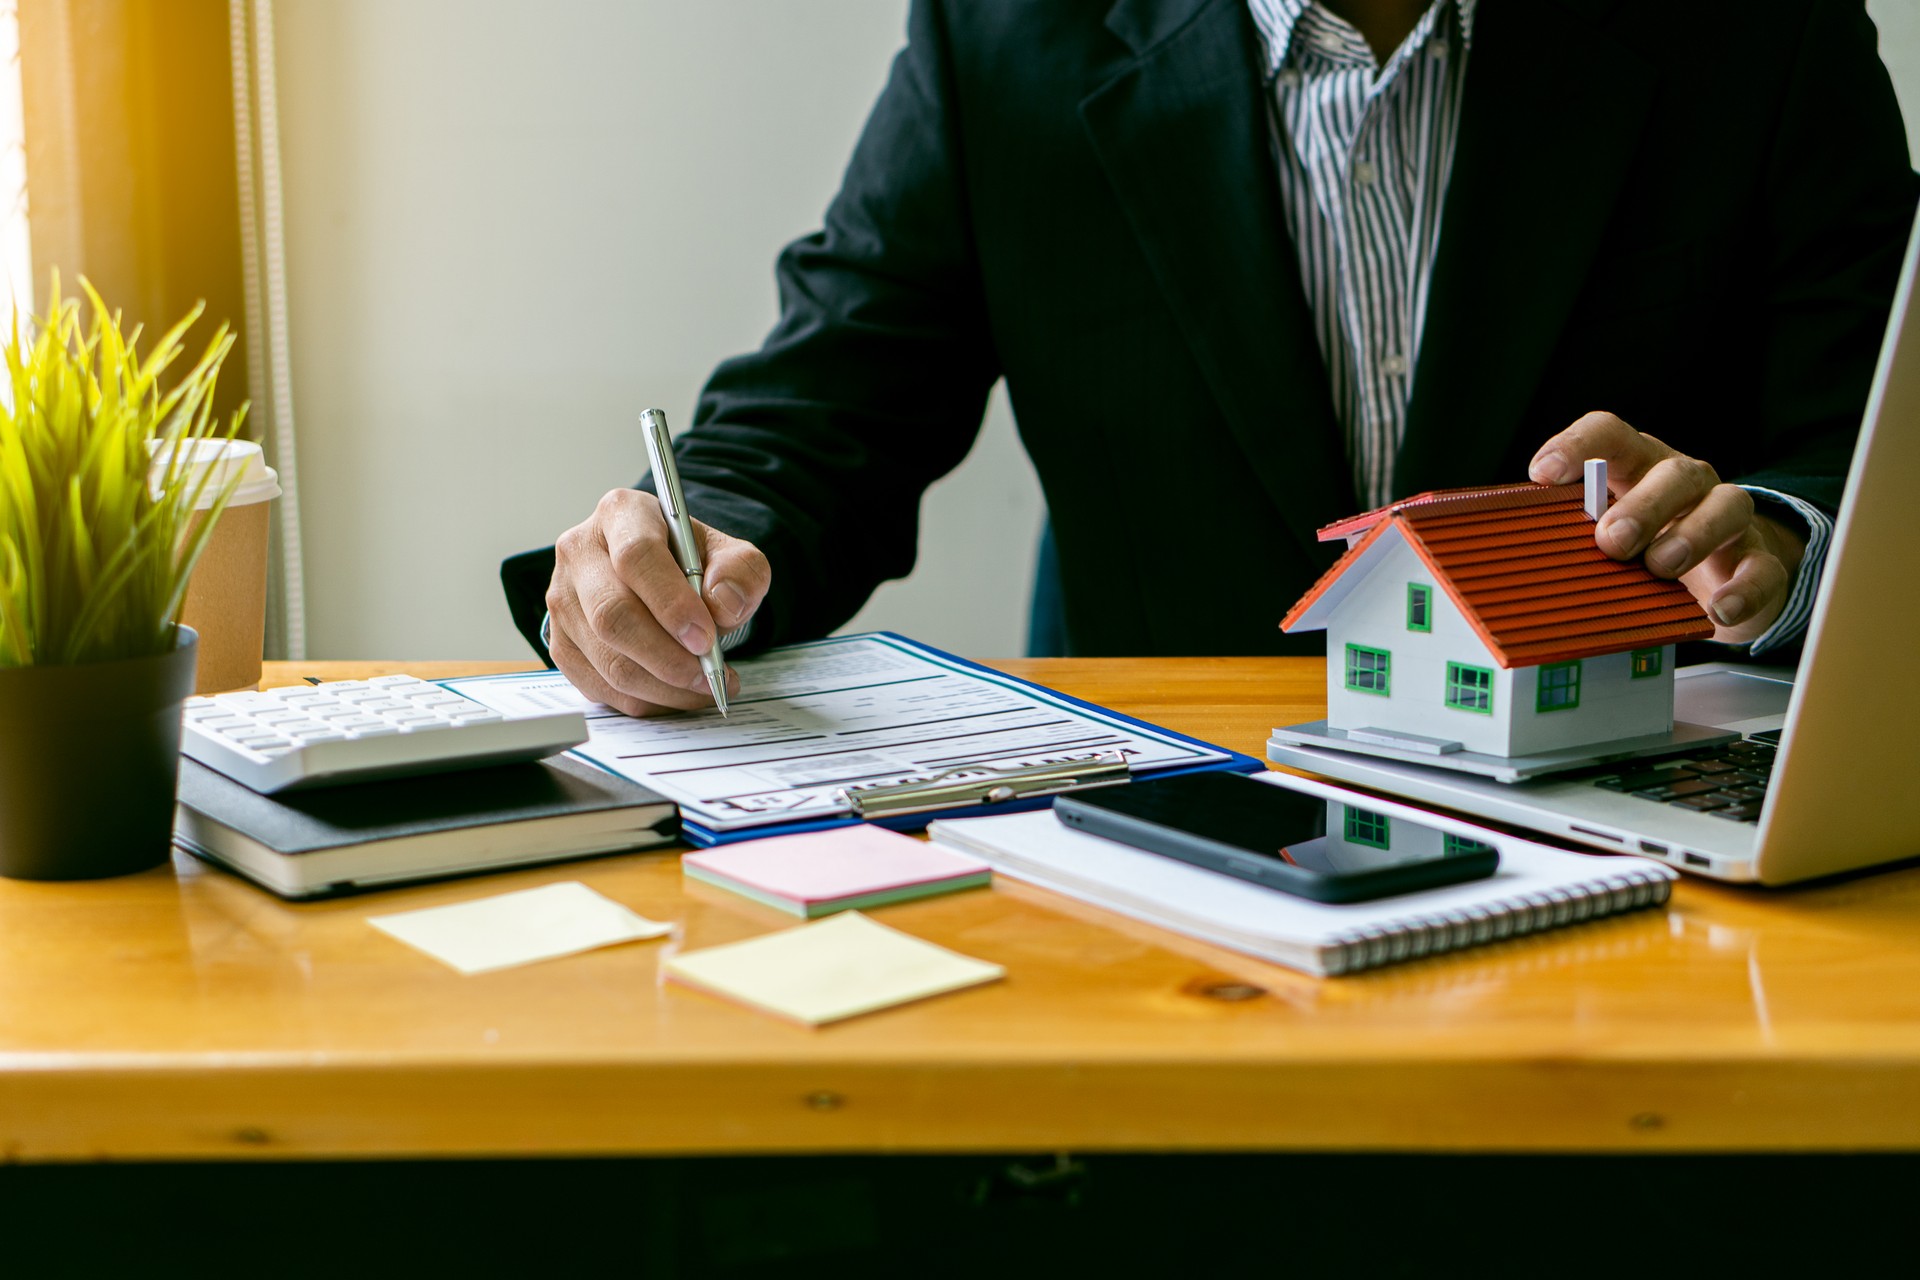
column 984, row 784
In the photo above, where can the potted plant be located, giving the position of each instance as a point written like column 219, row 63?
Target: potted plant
column 97, row 541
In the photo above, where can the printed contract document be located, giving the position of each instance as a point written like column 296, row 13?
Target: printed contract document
column 814, row 718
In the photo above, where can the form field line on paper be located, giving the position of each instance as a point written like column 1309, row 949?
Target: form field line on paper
column 893, row 746
column 786, row 751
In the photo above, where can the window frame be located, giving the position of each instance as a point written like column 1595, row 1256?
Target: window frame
column 1384, row 671
column 1353, row 828
column 1424, row 594
column 1454, row 846
column 1453, row 684
column 1540, row 687
column 1657, row 659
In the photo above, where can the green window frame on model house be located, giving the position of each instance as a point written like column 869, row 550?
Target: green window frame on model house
column 1419, row 607
column 1454, row 846
column 1470, row 688
column 1559, row 687
column 1645, row 663
column 1364, row 826
column 1369, row 670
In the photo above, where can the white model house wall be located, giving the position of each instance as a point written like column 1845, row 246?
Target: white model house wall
column 1374, row 615
column 1612, row 705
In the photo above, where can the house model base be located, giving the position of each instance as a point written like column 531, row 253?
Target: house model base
column 1438, row 754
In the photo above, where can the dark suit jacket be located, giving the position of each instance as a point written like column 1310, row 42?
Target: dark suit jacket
column 1690, row 214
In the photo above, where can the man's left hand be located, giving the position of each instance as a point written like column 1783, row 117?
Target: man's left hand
column 1674, row 509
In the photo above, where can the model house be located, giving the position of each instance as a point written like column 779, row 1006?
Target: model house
column 1488, row 621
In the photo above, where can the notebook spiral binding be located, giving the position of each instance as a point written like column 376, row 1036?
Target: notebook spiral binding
column 1526, row 913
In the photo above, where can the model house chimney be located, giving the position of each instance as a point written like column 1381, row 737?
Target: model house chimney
column 1596, row 470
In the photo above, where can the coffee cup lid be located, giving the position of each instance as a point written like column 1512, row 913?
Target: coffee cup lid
column 258, row 481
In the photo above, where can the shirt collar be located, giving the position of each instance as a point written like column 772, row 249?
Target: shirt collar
column 1279, row 20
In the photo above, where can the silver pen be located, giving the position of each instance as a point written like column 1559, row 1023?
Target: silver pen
column 673, row 504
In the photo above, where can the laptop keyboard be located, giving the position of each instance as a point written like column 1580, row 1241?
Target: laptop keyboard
column 1728, row 782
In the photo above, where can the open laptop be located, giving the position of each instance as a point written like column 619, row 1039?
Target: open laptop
column 1830, row 766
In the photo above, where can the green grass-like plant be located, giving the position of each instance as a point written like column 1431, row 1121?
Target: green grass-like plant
column 97, row 540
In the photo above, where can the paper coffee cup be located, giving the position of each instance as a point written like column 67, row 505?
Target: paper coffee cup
column 227, row 595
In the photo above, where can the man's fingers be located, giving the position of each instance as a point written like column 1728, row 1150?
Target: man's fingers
column 1689, row 526
column 1723, row 515
column 631, row 655
column 649, row 683
column 737, row 577
column 1670, row 489
column 609, row 627
column 630, row 649
column 627, row 625
column 636, row 536
column 1628, row 453
column 1750, row 592
column 607, row 622
column 580, row 673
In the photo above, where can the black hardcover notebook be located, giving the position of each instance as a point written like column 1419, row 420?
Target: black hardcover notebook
column 307, row 844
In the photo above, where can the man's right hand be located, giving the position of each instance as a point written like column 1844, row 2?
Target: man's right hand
column 627, row 628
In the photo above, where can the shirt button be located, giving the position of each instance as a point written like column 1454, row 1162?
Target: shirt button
column 1288, row 78
column 1364, row 173
column 1394, row 365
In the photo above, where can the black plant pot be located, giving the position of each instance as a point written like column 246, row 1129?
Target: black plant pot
column 89, row 761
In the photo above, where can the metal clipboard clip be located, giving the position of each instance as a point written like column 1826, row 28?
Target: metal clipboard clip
column 983, row 784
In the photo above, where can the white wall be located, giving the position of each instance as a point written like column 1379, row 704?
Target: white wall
column 513, row 224
column 1899, row 23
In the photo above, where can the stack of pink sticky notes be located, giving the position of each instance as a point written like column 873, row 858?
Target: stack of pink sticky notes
column 838, row 870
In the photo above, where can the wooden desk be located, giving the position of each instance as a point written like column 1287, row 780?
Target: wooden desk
column 183, row 1013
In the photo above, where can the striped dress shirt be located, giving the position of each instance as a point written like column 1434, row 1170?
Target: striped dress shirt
column 1364, row 152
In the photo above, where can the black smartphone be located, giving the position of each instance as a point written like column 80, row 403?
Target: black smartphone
column 1327, row 850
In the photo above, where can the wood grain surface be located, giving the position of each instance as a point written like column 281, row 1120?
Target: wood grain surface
column 185, row 1014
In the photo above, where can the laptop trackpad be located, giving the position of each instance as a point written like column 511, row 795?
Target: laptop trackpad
column 1731, row 700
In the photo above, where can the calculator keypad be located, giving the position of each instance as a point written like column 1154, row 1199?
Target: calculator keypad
column 273, row 722
column 267, row 738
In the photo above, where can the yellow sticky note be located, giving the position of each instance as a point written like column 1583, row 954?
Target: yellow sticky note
column 842, row 966
column 518, row 928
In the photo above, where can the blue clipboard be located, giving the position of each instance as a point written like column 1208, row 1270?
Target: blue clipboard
column 1234, row 763
column 697, row 834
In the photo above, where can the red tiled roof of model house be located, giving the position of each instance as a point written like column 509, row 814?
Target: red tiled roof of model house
column 1520, row 563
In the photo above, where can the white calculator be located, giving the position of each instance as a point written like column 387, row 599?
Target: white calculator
column 359, row 730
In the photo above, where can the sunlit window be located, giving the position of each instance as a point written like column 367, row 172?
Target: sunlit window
column 16, row 257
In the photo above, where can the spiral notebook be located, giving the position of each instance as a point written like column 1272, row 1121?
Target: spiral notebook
column 1535, row 888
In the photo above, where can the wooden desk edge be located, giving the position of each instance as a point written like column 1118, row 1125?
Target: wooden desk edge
column 1486, row 1106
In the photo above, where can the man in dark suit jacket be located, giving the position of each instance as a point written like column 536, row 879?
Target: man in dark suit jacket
column 1687, row 215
